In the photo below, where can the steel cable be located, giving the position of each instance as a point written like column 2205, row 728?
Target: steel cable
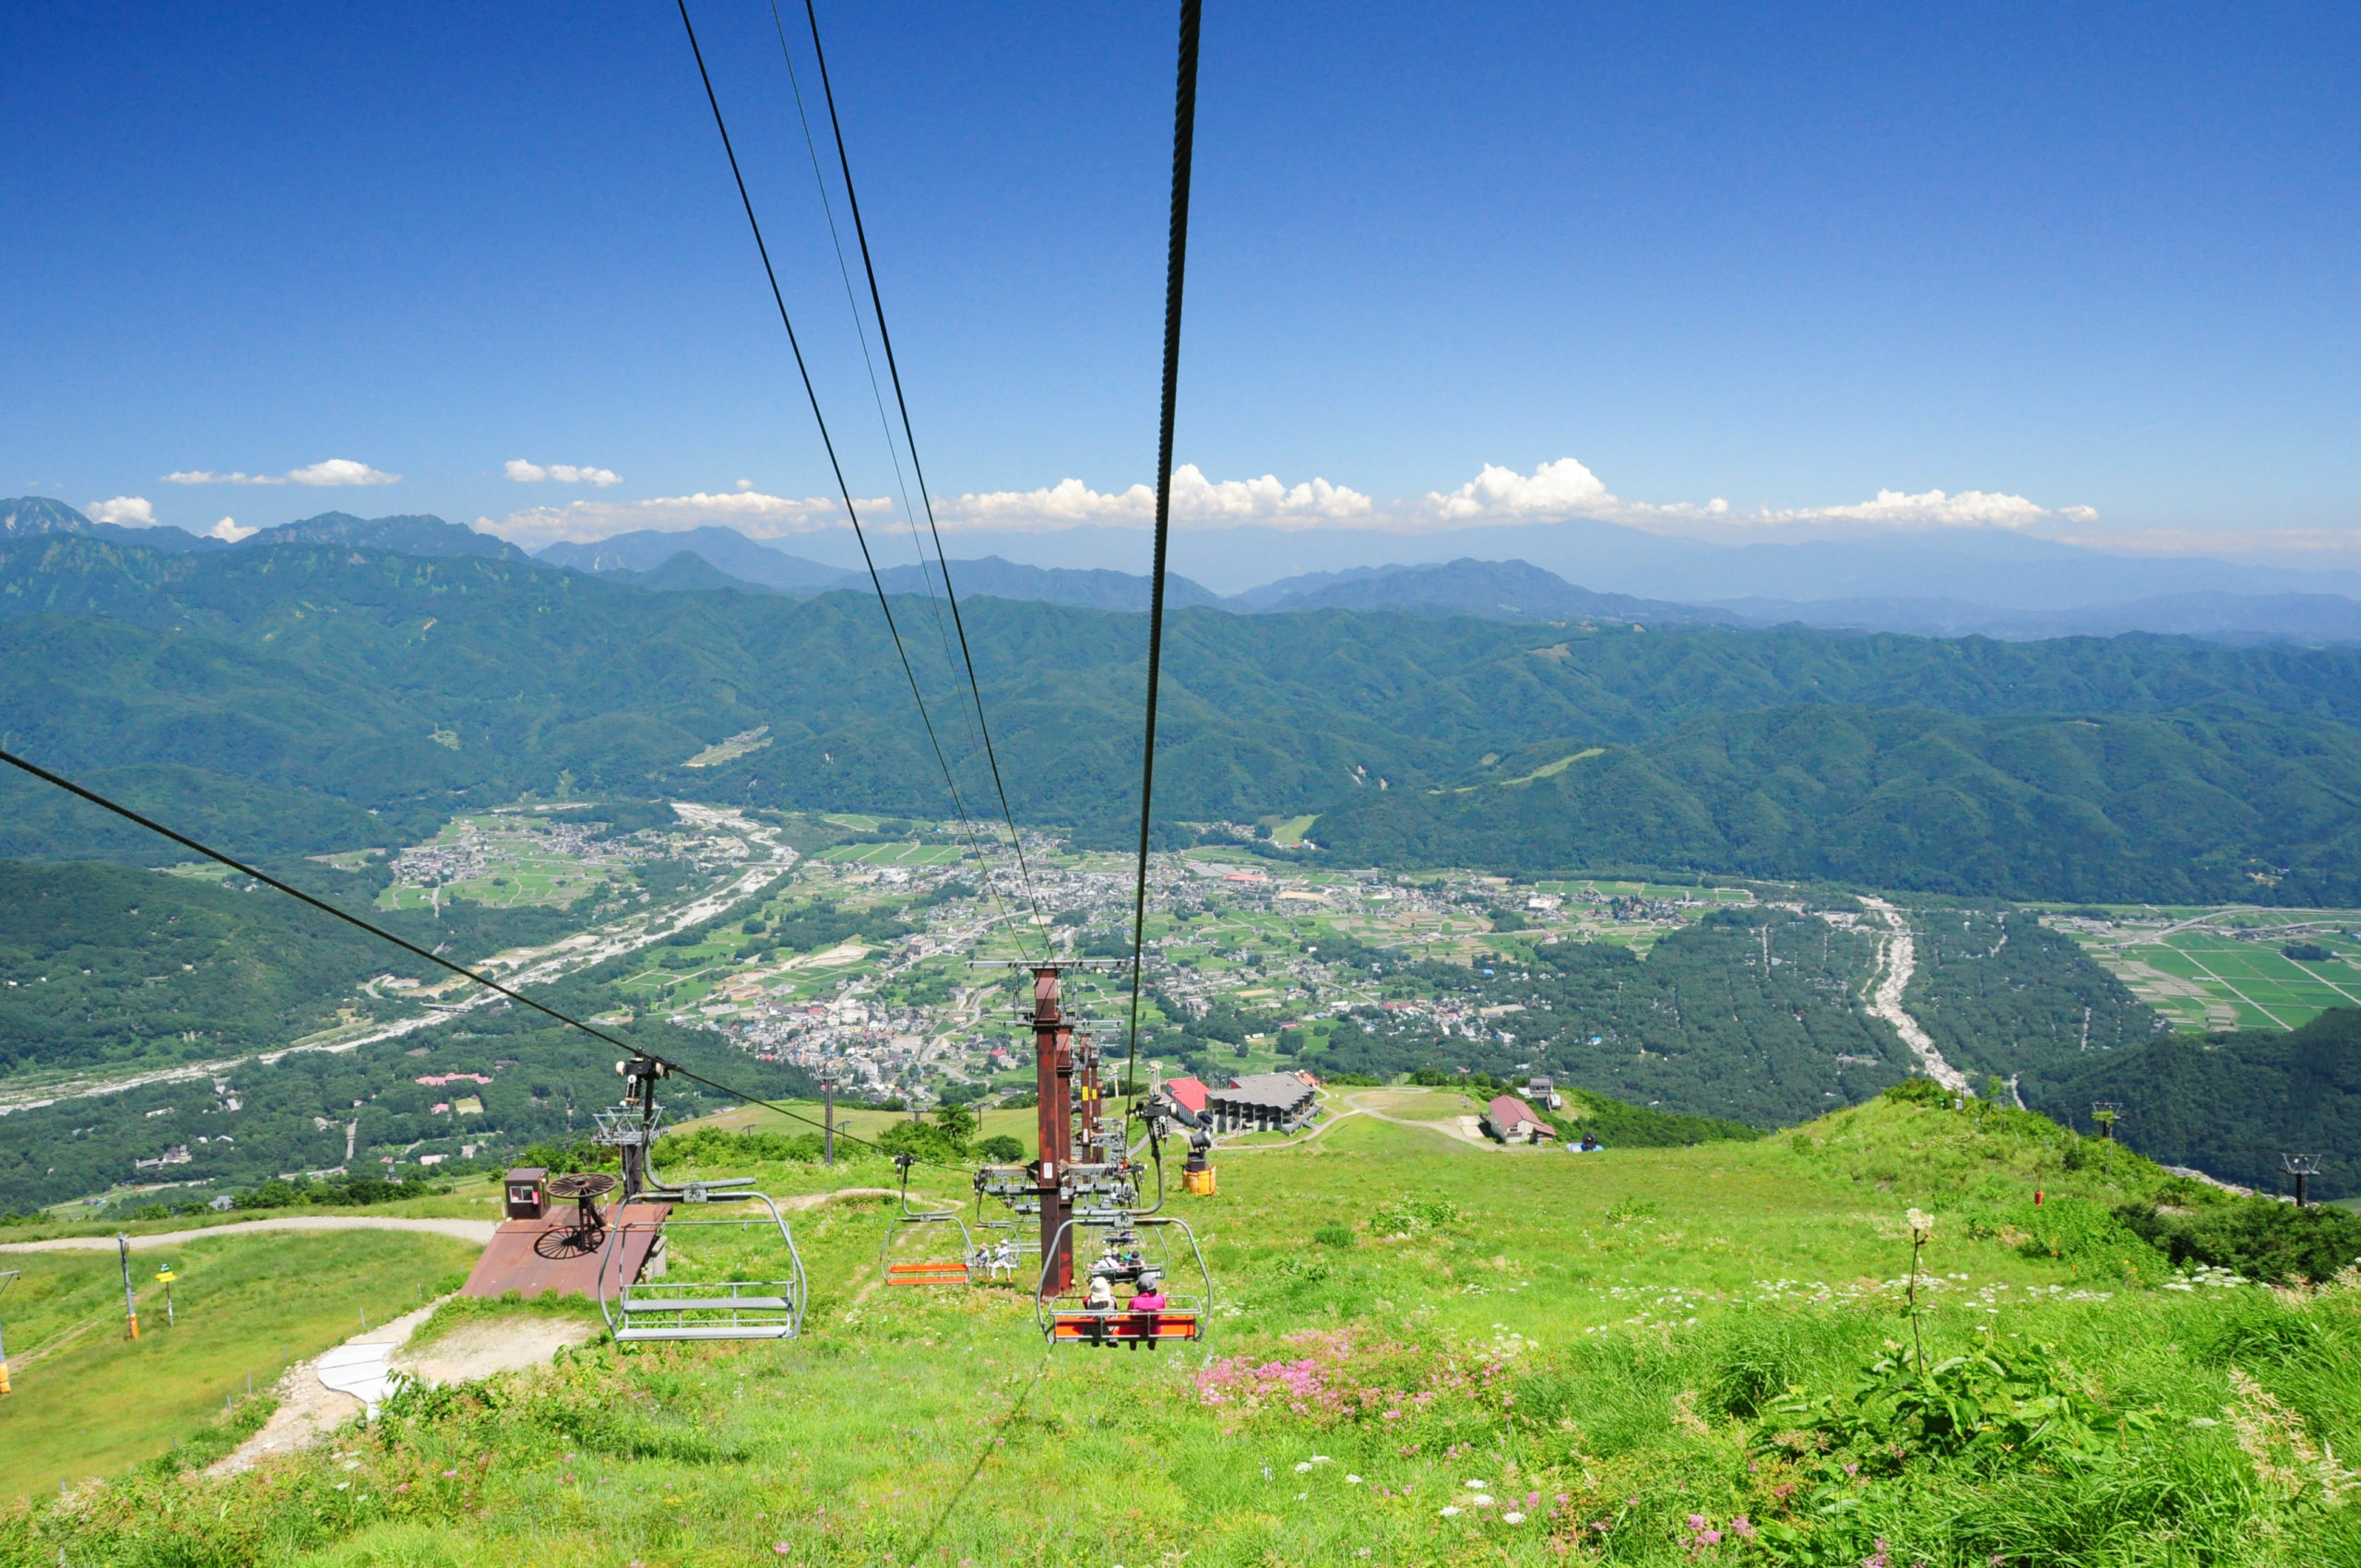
column 1184, row 128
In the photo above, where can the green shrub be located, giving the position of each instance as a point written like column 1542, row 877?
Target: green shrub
column 2083, row 1235
column 2258, row 1237
column 1334, row 1234
column 1407, row 1216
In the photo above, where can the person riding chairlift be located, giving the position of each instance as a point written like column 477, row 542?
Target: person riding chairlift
column 1589, row 1144
column 1148, row 1300
column 1101, row 1296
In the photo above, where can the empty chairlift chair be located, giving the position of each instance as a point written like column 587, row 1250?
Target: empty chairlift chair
column 644, row 1308
column 933, row 1228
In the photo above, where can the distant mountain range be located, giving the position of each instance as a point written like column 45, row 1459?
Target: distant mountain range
column 1992, row 585
column 305, row 698
column 1497, row 591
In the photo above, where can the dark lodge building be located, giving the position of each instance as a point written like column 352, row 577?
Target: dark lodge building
column 1262, row 1102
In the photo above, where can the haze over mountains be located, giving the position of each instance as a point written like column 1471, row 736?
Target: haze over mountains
column 1987, row 583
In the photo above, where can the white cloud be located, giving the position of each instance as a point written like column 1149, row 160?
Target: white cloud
column 523, row 472
column 751, row 511
column 131, row 511
column 333, row 471
column 1562, row 489
column 229, row 530
column 1197, row 502
column 1554, row 491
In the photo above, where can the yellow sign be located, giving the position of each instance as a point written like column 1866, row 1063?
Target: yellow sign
column 165, row 1276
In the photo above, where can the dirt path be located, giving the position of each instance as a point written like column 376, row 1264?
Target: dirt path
column 309, row 1408
column 477, row 1230
column 1897, row 961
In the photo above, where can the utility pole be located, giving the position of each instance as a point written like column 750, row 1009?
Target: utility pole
column 130, row 1301
column 2104, row 1112
column 2303, row 1166
column 828, row 1121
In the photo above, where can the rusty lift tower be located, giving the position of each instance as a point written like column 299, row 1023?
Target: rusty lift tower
column 1053, row 1078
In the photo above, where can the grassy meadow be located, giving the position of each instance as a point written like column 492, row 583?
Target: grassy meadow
column 90, row 1401
column 1421, row 1352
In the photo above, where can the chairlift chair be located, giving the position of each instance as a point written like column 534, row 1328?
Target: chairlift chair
column 1066, row 1320
column 960, row 1270
column 637, row 1310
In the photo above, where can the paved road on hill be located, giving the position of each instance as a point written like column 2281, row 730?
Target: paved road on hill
column 477, row 1230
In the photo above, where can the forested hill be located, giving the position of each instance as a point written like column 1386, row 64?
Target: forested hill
column 288, row 693
column 2231, row 1103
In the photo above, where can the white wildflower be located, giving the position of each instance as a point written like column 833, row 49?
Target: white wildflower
column 1449, row 1511
column 1512, row 1517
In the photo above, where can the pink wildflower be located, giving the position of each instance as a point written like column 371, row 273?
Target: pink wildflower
column 1742, row 1527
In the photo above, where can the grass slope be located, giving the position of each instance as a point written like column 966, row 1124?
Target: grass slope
column 1522, row 1359
column 90, row 1401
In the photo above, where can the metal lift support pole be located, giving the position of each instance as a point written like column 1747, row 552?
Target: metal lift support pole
column 1053, row 1078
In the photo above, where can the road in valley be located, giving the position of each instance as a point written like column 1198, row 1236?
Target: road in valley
column 765, row 860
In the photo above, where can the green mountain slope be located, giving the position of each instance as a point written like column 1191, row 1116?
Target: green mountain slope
column 2173, row 807
column 101, row 964
column 2133, row 768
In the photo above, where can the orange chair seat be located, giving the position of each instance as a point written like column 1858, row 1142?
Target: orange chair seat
column 932, row 1272
column 1123, row 1327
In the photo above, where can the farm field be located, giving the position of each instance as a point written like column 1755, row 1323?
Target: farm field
column 505, row 860
column 91, row 1401
column 2226, row 968
column 1482, row 1358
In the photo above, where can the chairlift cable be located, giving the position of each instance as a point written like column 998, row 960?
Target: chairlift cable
column 672, row 1068
column 901, row 483
column 892, row 370
column 1184, row 128
column 811, row 395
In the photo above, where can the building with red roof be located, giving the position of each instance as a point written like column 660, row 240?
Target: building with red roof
column 1512, row 1121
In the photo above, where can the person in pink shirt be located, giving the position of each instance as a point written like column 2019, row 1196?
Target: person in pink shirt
column 1147, row 1301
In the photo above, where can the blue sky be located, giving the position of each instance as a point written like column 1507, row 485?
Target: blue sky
column 2092, row 267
